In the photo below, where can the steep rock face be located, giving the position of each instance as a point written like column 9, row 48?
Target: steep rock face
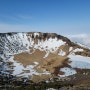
column 36, row 54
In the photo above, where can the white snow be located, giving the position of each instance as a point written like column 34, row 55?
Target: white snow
column 51, row 44
column 78, row 50
column 62, row 53
column 67, row 71
column 79, row 61
column 51, row 89
column 24, row 39
column 46, row 55
column 36, row 34
column 70, row 49
column 36, row 63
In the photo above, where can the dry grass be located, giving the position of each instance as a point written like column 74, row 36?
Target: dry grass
column 52, row 61
column 43, row 77
column 27, row 59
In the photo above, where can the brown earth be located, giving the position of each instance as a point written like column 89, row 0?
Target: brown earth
column 28, row 59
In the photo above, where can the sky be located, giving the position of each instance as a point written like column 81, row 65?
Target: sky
column 59, row 16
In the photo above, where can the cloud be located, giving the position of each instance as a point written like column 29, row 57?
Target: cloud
column 80, row 38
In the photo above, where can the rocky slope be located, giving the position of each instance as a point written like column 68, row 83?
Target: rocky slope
column 41, row 56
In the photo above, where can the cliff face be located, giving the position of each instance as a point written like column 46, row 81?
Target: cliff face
column 36, row 54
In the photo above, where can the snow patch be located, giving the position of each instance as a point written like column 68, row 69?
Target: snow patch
column 50, row 44
column 36, row 34
column 36, row 63
column 79, row 61
column 70, row 49
column 67, row 71
column 78, row 50
column 46, row 55
column 51, row 89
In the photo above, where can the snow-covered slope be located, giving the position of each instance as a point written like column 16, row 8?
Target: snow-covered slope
column 35, row 53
